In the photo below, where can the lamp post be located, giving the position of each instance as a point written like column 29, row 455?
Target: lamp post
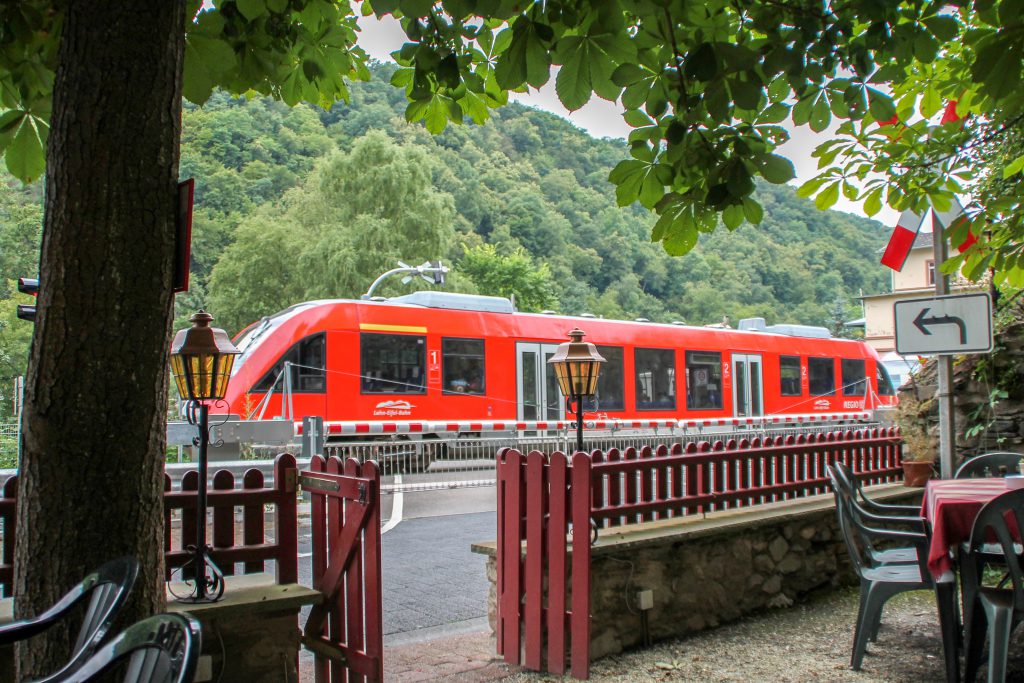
column 201, row 360
column 577, row 365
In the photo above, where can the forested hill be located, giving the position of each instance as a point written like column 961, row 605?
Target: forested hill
column 301, row 203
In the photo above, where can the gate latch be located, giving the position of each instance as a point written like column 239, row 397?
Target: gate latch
column 362, row 494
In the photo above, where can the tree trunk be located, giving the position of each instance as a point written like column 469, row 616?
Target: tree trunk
column 96, row 396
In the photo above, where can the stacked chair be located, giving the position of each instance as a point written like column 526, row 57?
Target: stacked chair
column 994, row 464
column 161, row 649
column 882, row 573
column 993, row 611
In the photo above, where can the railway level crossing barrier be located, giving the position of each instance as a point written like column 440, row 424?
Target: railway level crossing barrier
column 552, row 507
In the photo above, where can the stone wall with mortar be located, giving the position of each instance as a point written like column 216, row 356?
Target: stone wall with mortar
column 711, row 570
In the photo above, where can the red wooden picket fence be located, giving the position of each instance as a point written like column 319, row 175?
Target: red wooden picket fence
column 546, row 501
column 8, row 520
column 225, row 499
column 345, row 631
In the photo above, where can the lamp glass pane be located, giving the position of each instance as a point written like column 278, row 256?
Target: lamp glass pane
column 564, row 382
column 180, row 376
column 223, row 375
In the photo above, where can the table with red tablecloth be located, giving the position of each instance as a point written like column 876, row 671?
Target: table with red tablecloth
column 950, row 506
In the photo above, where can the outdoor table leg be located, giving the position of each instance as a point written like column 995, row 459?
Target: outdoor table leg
column 945, row 595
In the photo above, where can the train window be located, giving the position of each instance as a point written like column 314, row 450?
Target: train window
column 821, row 375
column 885, row 387
column 463, row 366
column 854, row 379
column 392, row 363
column 308, row 360
column 655, row 379
column 703, row 380
column 789, row 376
column 610, row 394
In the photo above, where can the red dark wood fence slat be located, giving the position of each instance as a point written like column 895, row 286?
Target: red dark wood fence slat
column 224, row 519
column 546, row 506
column 252, row 520
column 8, row 507
column 558, row 528
column 256, row 546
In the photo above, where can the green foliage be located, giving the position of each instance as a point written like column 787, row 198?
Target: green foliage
column 513, row 275
column 281, row 216
column 704, row 87
column 350, row 220
column 20, row 235
column 528, row 182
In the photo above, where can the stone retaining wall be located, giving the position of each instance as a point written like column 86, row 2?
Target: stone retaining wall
column 710, row 570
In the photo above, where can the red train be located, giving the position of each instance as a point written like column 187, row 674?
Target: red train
column 437, row 356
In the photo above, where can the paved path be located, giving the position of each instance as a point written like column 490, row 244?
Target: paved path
column 467, row 658
column 431, row 579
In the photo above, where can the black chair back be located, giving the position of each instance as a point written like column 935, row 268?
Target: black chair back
column 160, row 649
column 106, row 588
column 856, row 544
column 999, row 521
column 995, row 464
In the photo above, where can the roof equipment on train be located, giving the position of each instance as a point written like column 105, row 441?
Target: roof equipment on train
column 454, row 301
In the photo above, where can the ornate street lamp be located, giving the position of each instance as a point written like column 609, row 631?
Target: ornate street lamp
column 201, row 360
column 577, row 365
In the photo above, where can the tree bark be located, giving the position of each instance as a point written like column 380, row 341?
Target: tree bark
column 96, row 396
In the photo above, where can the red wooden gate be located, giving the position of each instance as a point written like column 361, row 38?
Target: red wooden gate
column 345, row 631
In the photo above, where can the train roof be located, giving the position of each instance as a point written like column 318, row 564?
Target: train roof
column 493, row 304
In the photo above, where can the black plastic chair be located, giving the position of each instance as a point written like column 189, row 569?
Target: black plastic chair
column 892, row 509
column 160, row 649
column 879, row 582
column 995, row 464
column 107, row 588
column 871, row 512
column 1000, row 607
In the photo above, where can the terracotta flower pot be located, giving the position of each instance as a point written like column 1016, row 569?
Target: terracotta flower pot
column 916, row 473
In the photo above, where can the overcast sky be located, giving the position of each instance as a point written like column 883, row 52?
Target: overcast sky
column 601, row 118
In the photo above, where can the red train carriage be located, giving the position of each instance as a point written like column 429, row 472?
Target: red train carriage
column 437, row 356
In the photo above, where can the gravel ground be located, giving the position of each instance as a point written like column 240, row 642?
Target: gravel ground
column 809, row 642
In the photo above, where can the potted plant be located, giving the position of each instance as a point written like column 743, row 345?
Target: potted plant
column 918, row 447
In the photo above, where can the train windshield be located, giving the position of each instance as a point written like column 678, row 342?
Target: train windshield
column 251, row 338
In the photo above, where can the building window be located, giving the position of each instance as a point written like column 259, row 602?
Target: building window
column 930, row 266
column 392, row 363
column 610, row 393
column 854, row 379
column 655, row 379
column 789, row 376
column 463, row 365
column 308, row 362
column 821, row 376
column 703, row 380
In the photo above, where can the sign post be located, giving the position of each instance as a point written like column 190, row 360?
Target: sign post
column 942, row 326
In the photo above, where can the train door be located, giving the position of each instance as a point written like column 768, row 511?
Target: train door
column 747, row 390
column 539, row 397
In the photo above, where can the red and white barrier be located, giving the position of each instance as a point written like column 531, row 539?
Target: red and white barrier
column 377, row 428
